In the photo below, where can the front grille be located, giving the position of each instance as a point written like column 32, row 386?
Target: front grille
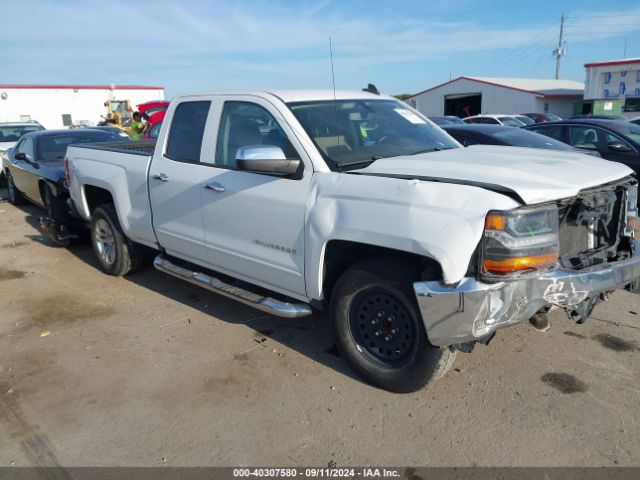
column 591, row 227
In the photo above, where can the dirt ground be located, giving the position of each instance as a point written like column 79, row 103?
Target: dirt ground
column 150, row 371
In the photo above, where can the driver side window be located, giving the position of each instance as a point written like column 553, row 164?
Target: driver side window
column 245, row 124
column 26, row 146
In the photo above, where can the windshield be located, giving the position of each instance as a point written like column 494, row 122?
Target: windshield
column 358, row 131
column 552, row 117
column 13, row 133
column 54, row 147
column 524, row 138
column 510, row 121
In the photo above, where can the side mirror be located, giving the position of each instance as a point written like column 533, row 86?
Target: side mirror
column 618, row 147
column 266, row 159
column 26, row 158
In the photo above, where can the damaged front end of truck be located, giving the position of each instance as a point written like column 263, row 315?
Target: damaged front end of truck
column 568, row 254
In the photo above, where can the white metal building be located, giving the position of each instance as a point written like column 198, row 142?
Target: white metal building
column 466, row 96
column 58, row 106
column 613, row 87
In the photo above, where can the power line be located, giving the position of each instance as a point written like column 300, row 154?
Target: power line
column 531, row 45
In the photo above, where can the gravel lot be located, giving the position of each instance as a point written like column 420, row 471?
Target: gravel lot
column 149, row 371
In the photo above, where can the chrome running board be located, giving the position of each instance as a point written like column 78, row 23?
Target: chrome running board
column 265, row 304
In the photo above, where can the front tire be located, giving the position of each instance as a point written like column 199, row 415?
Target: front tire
column 117, row 254
column 379, row 329
column 15, row 197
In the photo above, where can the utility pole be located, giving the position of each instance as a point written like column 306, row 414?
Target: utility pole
column 560, row 51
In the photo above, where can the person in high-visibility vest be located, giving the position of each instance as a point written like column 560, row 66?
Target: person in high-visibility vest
column 136, row 126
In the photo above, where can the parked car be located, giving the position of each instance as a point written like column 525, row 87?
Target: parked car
column 614, row 140
column 474, row 134
column 35, row 168
column 542, row 117
column 417, row 247
column 447, row 120
column 508, row 120
column 10, row 133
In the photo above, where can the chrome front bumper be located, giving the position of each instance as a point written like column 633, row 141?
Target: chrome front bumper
column 474, row 309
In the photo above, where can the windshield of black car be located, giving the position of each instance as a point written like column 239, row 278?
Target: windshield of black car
column 524, row 138
column 13, row 133
column 358, row 131
column 54, row 147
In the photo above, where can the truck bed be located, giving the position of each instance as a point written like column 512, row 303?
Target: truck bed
column 141, row 147
column 119, row 170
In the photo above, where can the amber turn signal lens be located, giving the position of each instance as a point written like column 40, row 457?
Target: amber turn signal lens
column 494, row 221
column 520, row 263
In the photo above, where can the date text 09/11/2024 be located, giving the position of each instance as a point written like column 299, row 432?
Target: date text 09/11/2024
column 317, row 472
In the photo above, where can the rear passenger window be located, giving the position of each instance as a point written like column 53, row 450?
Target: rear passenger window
column 187, row 130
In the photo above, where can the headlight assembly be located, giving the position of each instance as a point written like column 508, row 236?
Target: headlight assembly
column 519, row 241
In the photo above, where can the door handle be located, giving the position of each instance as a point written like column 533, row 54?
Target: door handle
column 161, row 176
column 215, row 186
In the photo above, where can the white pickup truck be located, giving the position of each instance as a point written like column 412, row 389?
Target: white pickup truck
column 356, row 203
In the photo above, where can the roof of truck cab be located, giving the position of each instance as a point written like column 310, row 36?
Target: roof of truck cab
column 304, row 95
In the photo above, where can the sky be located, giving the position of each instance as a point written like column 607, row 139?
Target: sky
column 401, row 46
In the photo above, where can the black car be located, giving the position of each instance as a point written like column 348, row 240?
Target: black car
column 472, row 134
column 35, row 166
column 614, row 140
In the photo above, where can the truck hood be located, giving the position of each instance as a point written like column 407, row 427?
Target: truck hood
column 531, row 174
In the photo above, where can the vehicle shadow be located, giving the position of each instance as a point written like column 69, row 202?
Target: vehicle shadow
column 311, row 336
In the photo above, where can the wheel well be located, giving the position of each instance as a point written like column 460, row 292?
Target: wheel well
column 96, row 196
column 341, row 254
column 41, row 185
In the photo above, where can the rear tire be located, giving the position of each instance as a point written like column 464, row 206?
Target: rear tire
column 15, row 197
column 117, row 254
column 379, row 329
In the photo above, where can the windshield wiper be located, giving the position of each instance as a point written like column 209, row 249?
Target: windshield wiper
column 429, row 150
column 358, row 162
